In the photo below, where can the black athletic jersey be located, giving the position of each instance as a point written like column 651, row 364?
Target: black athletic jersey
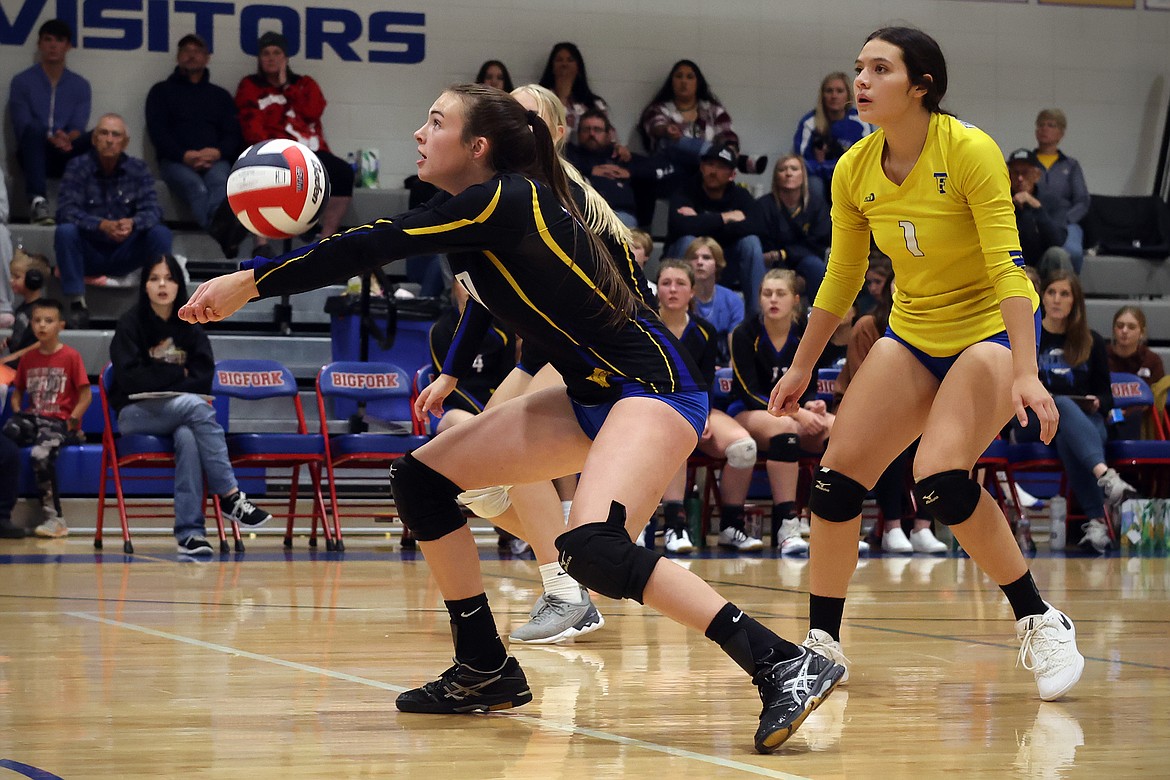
column 701, row 340
column 476, row 321
column 489, row 366
column 522, row 255
column 757, row 365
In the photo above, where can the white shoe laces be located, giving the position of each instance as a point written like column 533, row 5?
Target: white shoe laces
column 1041, row 645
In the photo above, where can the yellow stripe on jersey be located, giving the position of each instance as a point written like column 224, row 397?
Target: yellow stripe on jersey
column 306, row 250
column 739, row 377
column 550, row 242
column 483, row 216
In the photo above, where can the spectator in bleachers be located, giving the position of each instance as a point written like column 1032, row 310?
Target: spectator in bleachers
column 641, row 247
column 49, row 105
column 723, row 437
column 1074, row 367
column 798, row 225
column 9, row 487
column 761, row 351
column 155, row 353
column 891, row 489
column 685, row 117
column 274, row 102
column 613, row 178
column 27, row 277
column 564, row 74
column 827, row 132
column 1041, row 238
column 1064, row 192
column 52, row 379
column 495, row 74
column 712, row 205
column 7, row 304
column 109, row 222
column 195, row 129
column 1129, row 352
column 718, row 305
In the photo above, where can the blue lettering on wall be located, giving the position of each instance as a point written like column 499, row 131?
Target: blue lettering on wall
column 128, row 25
column 413, row 45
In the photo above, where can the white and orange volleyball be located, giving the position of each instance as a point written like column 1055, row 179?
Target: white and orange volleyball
column 278, row 188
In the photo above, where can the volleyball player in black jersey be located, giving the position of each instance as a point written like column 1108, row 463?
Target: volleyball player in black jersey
column 515, row 240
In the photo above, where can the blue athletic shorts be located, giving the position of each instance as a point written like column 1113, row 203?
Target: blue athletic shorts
column 693, row 406
column 939, row 366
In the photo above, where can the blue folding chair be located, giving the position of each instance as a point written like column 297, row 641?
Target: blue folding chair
column 155, row 457
column 827, row 385
column 422, row 377
column 257, row 381
column 362, row 383
column 1146, row 461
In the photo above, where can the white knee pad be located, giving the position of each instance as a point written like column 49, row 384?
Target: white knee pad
column 486, row 502
column 741, row 454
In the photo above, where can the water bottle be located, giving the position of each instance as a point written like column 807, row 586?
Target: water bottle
column 694, row 511
column 1058, row 523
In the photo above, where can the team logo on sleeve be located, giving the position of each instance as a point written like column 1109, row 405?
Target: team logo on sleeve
column 941, row 180
column 870, row 198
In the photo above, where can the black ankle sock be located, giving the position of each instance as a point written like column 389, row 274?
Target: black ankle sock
column 1024, row 597
column 824, row 613
column 673, row 515
column 782, row 511
column 731, row 516
column 473, row 629
column 749, row 643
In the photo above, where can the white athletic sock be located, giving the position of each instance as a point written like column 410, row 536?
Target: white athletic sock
column 560, row 584
column 566, row 507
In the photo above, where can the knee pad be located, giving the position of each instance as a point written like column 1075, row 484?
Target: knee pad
column 602, row 557
column 486, row 502
column 950, row 497
column 835, row 497
column 425, row 499
column 784, row 448
column 741, row 454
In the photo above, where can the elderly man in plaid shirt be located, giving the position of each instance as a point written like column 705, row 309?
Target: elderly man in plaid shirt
column 108, row 219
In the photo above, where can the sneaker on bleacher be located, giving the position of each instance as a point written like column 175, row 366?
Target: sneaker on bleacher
column 39, row 212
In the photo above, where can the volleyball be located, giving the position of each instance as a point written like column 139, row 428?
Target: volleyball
column 277, row 188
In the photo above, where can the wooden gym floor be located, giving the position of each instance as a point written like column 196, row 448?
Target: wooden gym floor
column 275, row 665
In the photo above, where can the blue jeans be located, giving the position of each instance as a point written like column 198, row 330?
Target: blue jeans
column 1075, row 245
column 202, row 192
column 40, row 160
column 745, row 259
column 200, row 449
column 1080, row 441
column 78, row 257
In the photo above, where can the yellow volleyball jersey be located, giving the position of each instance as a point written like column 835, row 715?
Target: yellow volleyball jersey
column 950, row 229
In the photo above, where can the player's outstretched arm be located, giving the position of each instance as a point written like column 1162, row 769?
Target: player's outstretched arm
column 219, row 298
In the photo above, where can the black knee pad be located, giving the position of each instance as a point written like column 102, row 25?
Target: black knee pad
column 784, row 448
column 601, row 557
column 950, row 497
column 425, row 499
column 835, row 497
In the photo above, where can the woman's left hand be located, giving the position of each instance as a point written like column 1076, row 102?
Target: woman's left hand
column 219, row 298
column 1029, row 393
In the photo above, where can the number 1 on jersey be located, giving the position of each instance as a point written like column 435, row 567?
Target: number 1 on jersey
column 911, row 238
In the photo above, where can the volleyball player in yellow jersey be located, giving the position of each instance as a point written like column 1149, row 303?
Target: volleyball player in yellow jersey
column 959, row 356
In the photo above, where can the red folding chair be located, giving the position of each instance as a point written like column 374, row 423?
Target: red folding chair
column 1145, row 461
column 360, row 452
column 423, row 376
column 154, row 458
column 256, row 381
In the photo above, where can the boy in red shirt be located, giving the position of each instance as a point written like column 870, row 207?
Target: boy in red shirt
column 53, row 379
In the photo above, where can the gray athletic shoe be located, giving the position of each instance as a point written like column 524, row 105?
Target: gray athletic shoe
column 557, row 620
